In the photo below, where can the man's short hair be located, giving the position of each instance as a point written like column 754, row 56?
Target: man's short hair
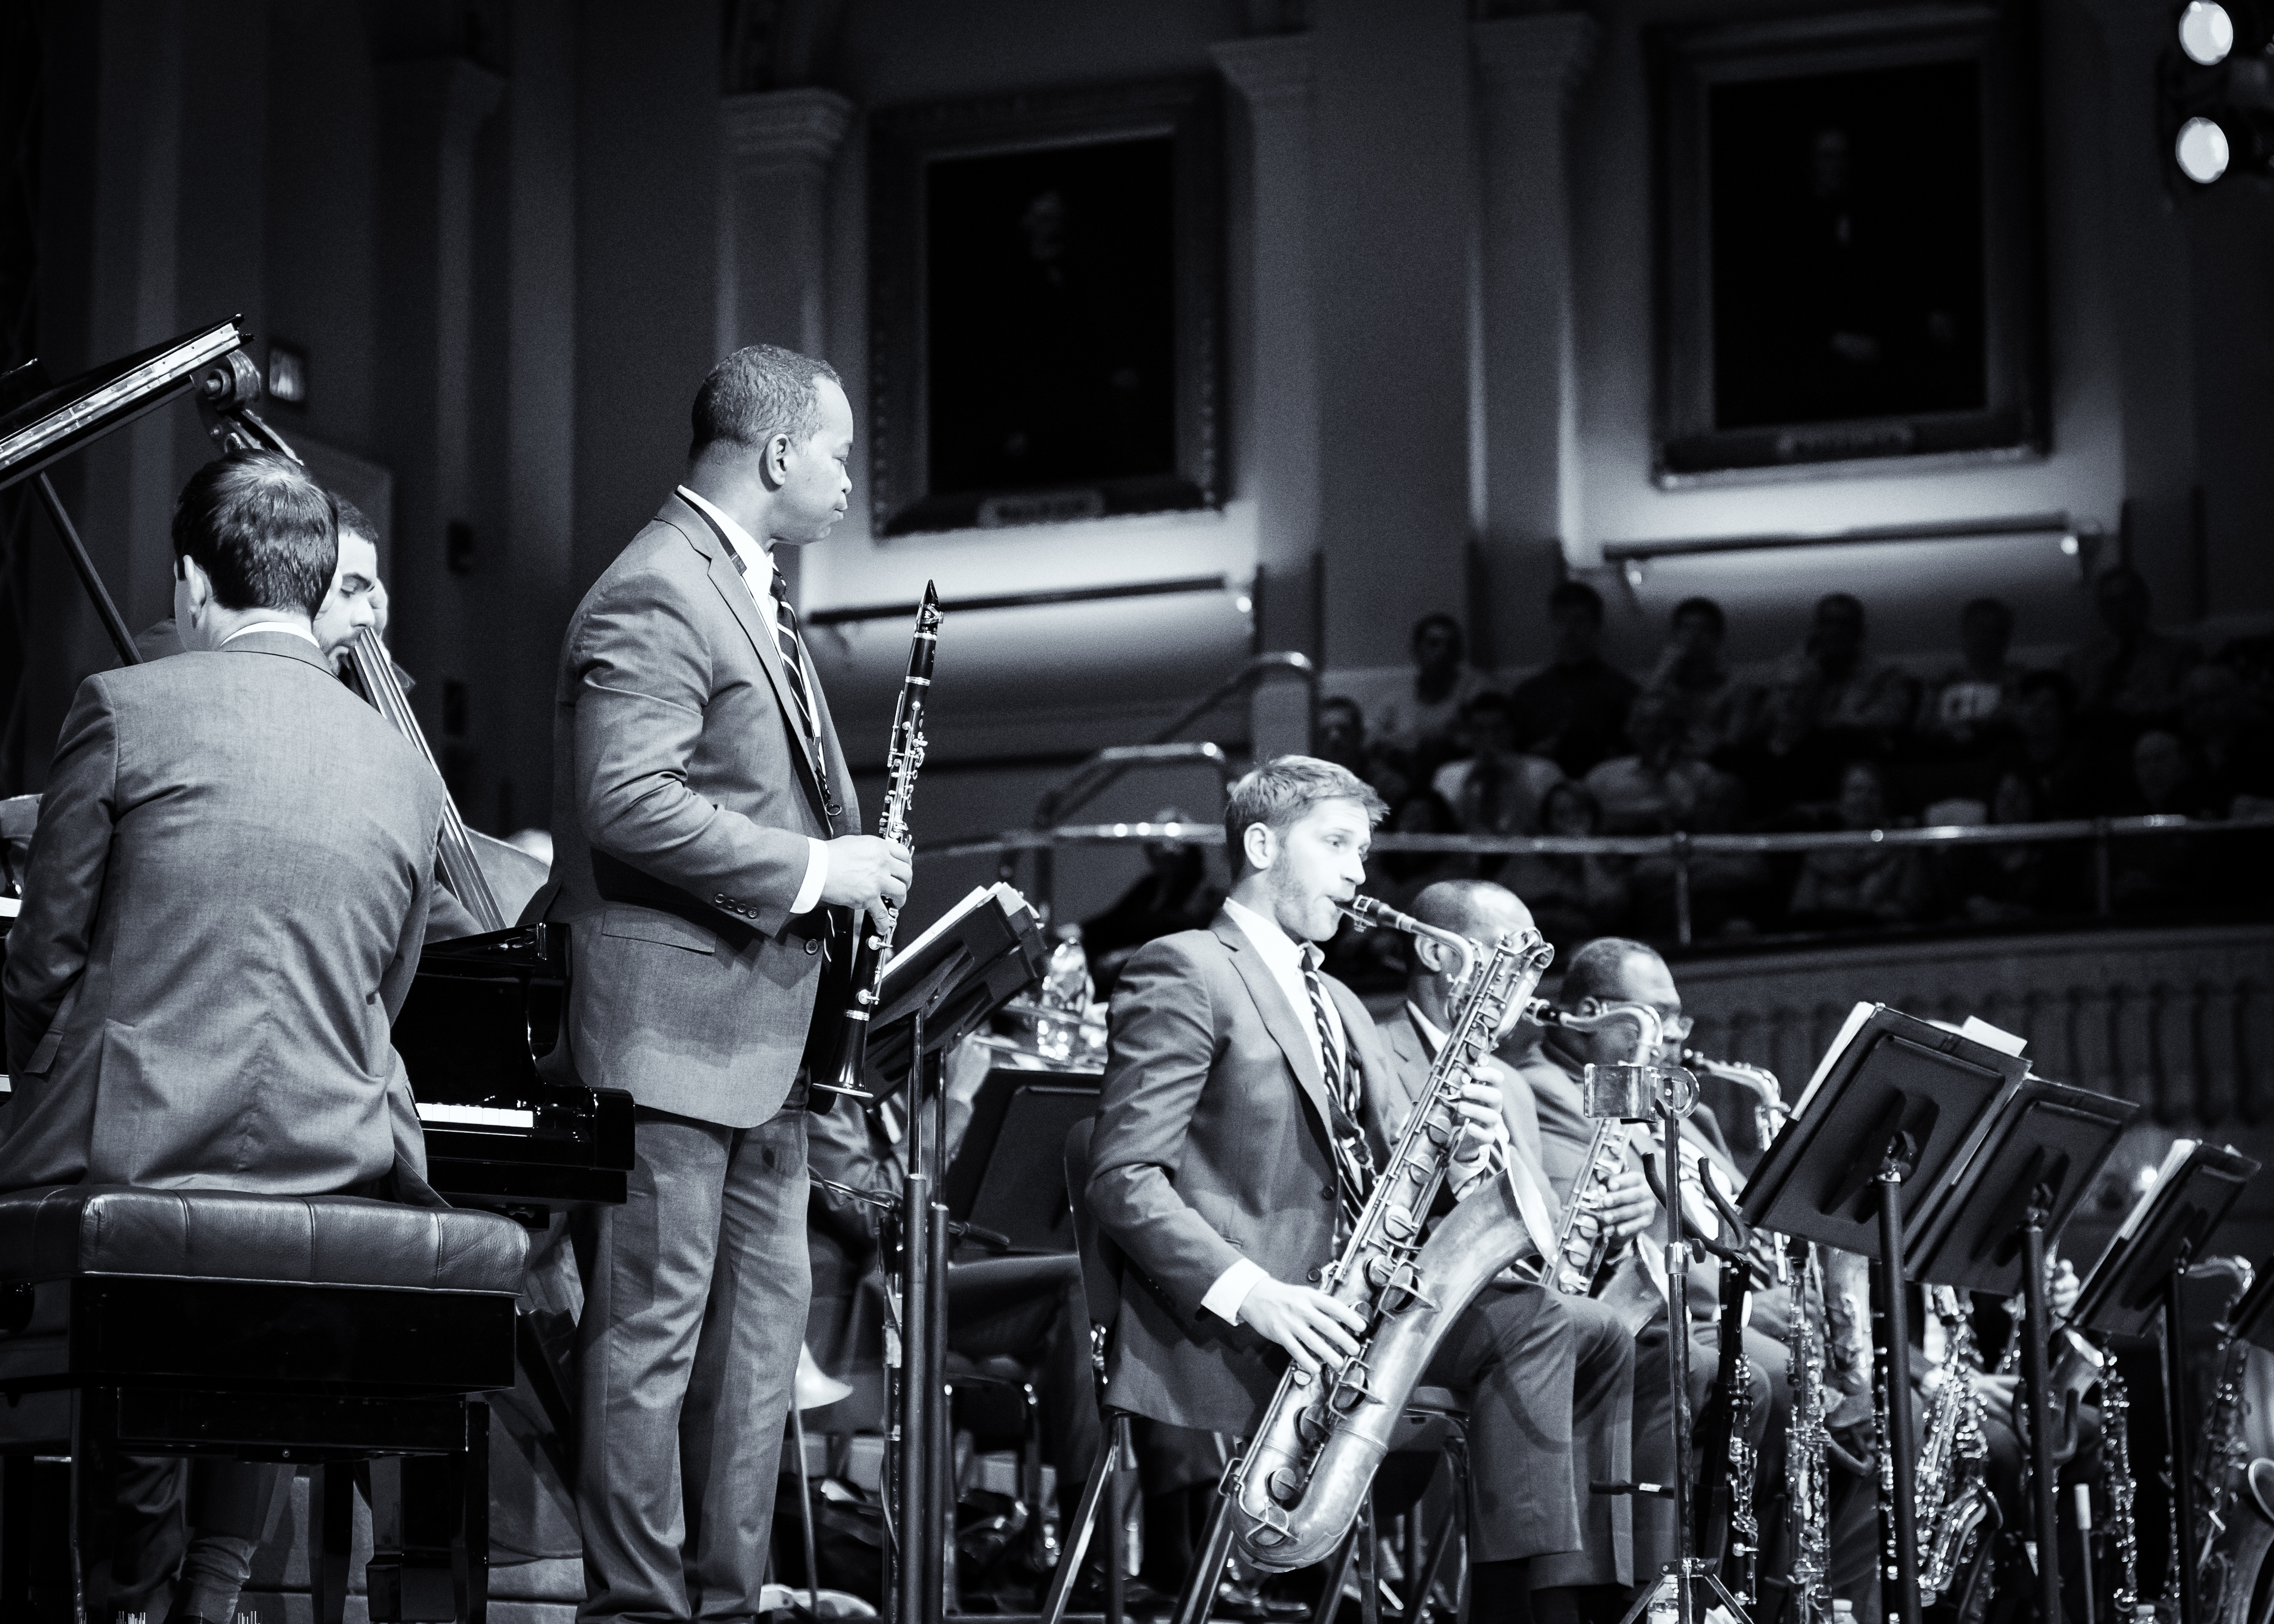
column 1704, row 609
column 1845, row 604
column 1995, row 609
column 354, row 520
column 1595, row 970
column 1576, row 595
column 1451, row 628
column 1282, row 791
column 266, row 534
column 757, row 393
column 1453, row 905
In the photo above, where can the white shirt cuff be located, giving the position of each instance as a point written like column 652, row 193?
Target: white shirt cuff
column 817, row 876
column 1230, row 1289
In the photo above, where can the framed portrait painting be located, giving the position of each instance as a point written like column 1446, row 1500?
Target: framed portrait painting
column 1849, row 268
column 1046, row 307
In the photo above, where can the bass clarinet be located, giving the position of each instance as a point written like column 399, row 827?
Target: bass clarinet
column 842, row 1075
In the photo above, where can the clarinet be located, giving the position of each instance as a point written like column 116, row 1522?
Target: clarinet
column 843, row 1074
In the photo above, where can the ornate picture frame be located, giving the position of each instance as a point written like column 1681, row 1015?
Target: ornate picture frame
column 1848, row 245
column 1046, row 306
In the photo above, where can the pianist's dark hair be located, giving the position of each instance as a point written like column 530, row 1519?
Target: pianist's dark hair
column 757, row 393
column 265, row 533
column 1597, row 969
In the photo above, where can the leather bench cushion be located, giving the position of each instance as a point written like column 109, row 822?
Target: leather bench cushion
column 54, row 1233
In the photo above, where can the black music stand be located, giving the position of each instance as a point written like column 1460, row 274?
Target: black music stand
column 2250, row 1320
column 2139, row 1279
column 1899, row 1100
column 2044, row 1146
column 1009, row 1171
column 953, row 980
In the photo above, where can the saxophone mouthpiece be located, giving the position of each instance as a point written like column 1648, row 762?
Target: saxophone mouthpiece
column 1370, row 911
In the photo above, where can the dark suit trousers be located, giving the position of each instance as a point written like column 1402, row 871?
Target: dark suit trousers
column 1536, row 1434
column 695, row 1302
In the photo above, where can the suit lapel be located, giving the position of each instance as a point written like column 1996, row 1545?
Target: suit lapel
column 1278, row 1019
column 740, row 599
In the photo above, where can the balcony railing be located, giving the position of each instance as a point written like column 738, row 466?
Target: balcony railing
column 1683, row 850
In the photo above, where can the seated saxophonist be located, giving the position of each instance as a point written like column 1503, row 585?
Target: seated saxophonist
column 1242, row 1119
column 1602, row 975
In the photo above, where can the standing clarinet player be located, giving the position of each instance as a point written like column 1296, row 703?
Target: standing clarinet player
column 703, row 816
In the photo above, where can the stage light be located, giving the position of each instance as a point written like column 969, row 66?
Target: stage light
column 2206, row 32
column 2202, row 151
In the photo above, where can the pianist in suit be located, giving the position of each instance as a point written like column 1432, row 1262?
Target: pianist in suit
column 702, row 813
column 222, row 912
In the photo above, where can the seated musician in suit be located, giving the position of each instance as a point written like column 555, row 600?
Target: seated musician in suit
column 1029, row 1307
column 222, row 913
column 1602, row 1385
column 1603, row 974
column 1237, row 1139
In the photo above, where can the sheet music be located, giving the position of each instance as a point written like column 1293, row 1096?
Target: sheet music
column 1992, row 1037
column 1857, row 1017
column 2174, row 1159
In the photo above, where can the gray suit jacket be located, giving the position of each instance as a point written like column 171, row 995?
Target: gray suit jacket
column 682, row 803
column 1211, row 1146
column 226, row 899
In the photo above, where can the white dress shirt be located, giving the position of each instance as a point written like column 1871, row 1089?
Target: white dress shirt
column 1284, row 957
column 756, row 559
column 290, row 628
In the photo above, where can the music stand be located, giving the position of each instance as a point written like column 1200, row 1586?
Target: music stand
column 954, row 977
column 1002, row 1178
column 2044, row 1147
column 1897, row 1101
column 2138, row 1279
column 2250, row 1320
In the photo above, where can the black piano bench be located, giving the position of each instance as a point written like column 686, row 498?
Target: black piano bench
column 324, row 1329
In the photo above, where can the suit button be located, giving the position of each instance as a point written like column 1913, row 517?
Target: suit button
column 1328, row 1191
column 1312, row 1275
column 811, row 945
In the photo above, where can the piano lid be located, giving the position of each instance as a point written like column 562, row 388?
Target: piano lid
column 58, row 420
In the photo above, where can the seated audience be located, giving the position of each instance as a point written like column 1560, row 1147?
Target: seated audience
column 1660, row 787
column 2159, row 871
column 2128, row 678
column 1398, row 877
column 2006, row 884
column 1860, row 885
column 1977, row 696
column 1420, row 723
column 1174, row 895
column 1575, row 711
column 2046, row 749
column 2233, row 754
column 1573, row 897
column 1341, row 734
column 1844, row 689
column 1691, row 683
column 1496, row 791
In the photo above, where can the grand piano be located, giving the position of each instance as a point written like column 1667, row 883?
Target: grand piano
column 484, row 1009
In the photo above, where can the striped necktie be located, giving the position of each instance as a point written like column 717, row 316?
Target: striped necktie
column 1353, row 1157
column 793, row 660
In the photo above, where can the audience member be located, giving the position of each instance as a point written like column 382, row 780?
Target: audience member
column 2158, row 871
column 2233, row 758
column 1575, row 711
column 1975, row 696
column 2006, row 884
column 1573, row 897
column 1419, row 722
column 1341, row 734
column 1175, row 894
column 1860, row 885
column 2046, row 749
column 1660, row 787
column 2128, row 678
column 1496, row 791
column 1692, row 683
column 1843, row 687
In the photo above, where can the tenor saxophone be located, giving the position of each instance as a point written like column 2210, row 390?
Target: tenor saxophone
column 2232, row 1532
column 1295, row 1491
column 1808, row 1471
column 1953, row 1481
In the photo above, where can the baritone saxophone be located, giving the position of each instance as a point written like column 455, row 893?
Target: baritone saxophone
column 1296, row 1491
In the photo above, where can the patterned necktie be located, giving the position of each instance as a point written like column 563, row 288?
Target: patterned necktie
column 1353, row 1157
column 793, row 659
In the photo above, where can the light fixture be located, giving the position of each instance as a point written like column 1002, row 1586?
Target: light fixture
column 2202, row 151
column 2206, row 32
